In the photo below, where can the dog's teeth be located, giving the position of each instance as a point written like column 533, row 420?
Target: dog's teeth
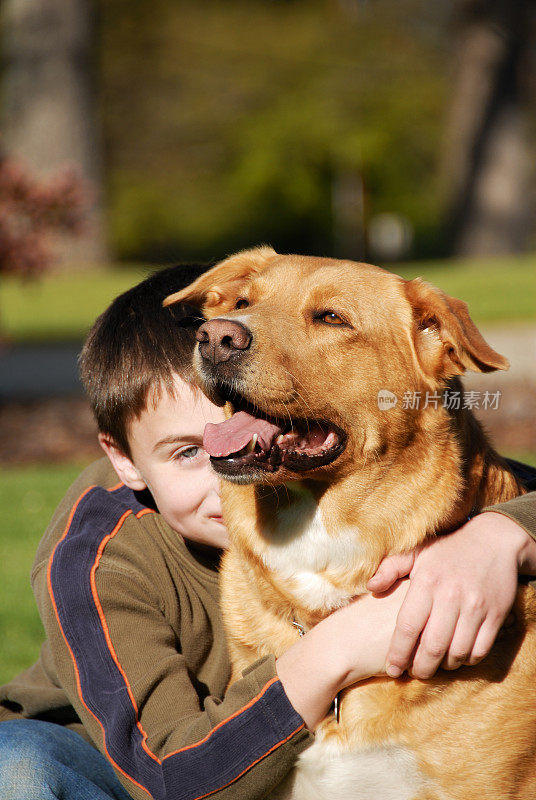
column 279, row 439
column 331, row 439
column 253, row 442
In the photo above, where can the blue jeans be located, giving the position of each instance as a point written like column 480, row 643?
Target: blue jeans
column 43, row 761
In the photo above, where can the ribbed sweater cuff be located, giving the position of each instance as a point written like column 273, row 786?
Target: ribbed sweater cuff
column 521, row 509
column 263, row 671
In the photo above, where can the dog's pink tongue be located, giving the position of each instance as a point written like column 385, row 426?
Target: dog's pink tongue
column 235, row 433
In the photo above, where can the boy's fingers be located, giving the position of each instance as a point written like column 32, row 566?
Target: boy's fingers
column 411, row 620
column 435, row 642
column 390, row 570
column 484, row 642
column 475, row 633
column 462, row 644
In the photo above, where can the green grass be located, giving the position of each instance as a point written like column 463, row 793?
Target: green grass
column 28, row 497
column 498, row 290
column 63, row 306
column 60, row 307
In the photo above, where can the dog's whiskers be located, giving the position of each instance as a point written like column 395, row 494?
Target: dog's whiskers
column 300, row 396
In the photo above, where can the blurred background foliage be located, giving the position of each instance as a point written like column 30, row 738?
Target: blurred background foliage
column 222, row 118
column 376, row 129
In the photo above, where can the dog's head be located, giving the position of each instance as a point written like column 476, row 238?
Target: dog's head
column 303, row 349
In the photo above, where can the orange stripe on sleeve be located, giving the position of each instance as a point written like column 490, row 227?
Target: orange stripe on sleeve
column 73, row 659
column 271, row 750
column 107, row 632
column 226, row 720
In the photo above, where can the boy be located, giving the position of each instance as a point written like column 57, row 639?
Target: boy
column 125, row 578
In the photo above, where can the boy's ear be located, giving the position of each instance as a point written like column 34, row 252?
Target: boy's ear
column 219, row 286
column 122, row 464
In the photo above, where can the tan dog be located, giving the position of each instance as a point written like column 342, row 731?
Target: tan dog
column 322, row 484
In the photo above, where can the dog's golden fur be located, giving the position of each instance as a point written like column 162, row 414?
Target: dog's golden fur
column 405, row 475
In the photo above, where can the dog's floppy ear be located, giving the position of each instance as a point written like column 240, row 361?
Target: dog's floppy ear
column 447, row 340
column 222, row 282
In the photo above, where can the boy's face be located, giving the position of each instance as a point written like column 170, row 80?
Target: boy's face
column 166, row 445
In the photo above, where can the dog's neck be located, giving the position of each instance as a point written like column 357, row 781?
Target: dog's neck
column 319, row 543
column 447, row 474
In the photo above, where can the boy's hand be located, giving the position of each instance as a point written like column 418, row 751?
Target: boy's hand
column 347, row 646
column 462, row 587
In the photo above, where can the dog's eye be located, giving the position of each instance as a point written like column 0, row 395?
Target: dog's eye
column 330, row 318
column 241, row 303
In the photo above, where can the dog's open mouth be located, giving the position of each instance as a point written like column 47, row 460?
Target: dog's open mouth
column 251, row 441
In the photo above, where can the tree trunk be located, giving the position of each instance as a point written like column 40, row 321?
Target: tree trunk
column 49, row 104
column 348, row 214
column 487, row 161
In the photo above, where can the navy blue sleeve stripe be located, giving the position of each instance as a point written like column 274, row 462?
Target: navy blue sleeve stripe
column 126, row 496
column 102, row 687
column 234, row 747
column 195, row 771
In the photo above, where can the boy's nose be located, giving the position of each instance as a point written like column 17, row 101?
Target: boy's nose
column 221, row 339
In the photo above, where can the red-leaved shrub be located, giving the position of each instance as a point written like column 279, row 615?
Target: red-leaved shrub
column 32, row 212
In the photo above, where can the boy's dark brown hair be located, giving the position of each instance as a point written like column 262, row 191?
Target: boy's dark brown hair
column 134, row 348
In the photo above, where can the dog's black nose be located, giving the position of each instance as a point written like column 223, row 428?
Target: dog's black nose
column 220, row 339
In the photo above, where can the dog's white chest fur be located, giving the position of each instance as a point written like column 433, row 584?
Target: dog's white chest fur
column 301, row 550
column 326, row 773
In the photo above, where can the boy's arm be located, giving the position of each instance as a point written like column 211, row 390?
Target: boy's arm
column 454, row 610
column 117, row 658
column 522, row 511
column 348, row 646
column 145, row 715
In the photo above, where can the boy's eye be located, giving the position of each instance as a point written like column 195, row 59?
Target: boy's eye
column 188, row 452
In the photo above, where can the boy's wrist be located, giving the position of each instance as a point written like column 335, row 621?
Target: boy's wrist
column 515, row 537
column 346, row 647
column 312, row 672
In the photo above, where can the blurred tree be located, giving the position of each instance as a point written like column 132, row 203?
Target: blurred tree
column 488, row 161
column 250, row 120
column 49, row 109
